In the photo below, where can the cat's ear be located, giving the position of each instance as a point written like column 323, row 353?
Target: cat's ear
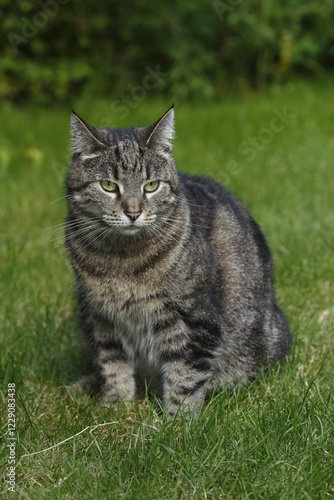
column 160, row 134
column 86, row 140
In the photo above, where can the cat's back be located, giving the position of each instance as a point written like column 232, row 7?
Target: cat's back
column 209, row 198
column 222, row 218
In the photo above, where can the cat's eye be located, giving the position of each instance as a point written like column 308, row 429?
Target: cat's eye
column 152, row 186
column 109, row 186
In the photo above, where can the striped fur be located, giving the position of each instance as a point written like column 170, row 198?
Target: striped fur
column 183, row 293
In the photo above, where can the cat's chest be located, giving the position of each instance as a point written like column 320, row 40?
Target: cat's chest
column 131, row 303
column 131, row 309
column 124, row 295
column 133, row 323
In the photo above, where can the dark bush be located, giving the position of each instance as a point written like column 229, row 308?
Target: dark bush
column 54, row 48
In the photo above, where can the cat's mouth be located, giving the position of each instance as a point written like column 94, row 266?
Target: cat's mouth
column 122, row 227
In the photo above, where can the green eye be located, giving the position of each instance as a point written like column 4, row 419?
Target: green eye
column 151, row 186
column 109, row 186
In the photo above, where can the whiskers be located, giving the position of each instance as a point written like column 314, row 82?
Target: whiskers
column 165, row 228
column 93, row 236
column 182, row 222
column 59, row 199
column 185, row 201
column 98, row 231
column 172, row 229
column 79, row 226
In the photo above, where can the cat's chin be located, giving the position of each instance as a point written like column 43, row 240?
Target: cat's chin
column 130, row 230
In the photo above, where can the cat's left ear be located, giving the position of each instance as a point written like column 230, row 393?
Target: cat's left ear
column 86, row 140
column 160, row 134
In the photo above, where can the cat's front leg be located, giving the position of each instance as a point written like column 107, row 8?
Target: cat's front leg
column 184, row 386
column 115, row 372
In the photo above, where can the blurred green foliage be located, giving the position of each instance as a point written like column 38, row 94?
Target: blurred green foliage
column 53, row 49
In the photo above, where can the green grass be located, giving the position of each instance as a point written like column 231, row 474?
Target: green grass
column 274, row 439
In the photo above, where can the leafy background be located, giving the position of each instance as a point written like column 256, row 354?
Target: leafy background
column 54, row 48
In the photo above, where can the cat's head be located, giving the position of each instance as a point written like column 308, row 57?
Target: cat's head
column 125, row 179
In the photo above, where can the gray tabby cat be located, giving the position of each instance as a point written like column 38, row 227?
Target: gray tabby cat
column 173, row 276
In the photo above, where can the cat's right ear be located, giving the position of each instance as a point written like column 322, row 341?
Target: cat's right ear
column 86, row 140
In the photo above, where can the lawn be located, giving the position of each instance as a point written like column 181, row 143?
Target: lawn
column 274, row 439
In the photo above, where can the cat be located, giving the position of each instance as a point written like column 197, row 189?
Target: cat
column 173, row 276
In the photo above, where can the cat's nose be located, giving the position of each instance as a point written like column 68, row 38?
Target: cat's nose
column 133, row 215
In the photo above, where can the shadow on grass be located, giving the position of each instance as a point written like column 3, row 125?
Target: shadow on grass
column 64, row 355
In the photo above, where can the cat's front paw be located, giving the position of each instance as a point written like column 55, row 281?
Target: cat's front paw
column 113, row 402
column 184, row 389
column 112, row 395
column 188, row 409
